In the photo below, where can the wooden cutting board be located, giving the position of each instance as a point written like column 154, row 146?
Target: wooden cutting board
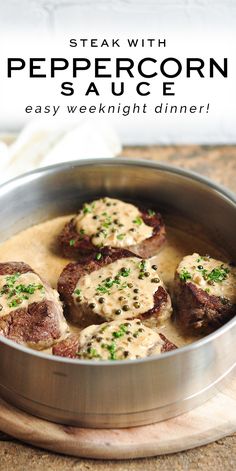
column 215, row 419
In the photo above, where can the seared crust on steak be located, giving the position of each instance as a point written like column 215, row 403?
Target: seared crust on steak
column 9, row 268
column 168, row 345
column 206, row 299
column 82, row 244
column 197, row 311
column 70, row 346
column 82, row 313
column 160, row 298
column 150, row 246
column 39, row 324
column 73, row 271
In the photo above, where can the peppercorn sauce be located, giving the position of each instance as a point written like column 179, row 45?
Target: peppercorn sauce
column 209, row 274
column 123, row 289
column 19, row 290
column 36, row 246
column 111, row 222
column 118, row 341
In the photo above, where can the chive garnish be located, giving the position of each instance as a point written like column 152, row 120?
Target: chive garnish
column 138, row 220
column 151, row 212
column 185, row 275
column 120, row 236
column 87, row 209
column 16, row 294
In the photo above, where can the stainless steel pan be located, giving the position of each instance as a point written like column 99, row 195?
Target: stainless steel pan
column 117, row 394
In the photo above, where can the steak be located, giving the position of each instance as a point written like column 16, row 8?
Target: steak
column 114, row 341
column 204, row 293
column 114, row 285
column 113, row 223
column 30, row 310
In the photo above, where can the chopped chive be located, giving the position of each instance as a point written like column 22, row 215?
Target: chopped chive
column 87, row 209
column 151, row 212
column 120, row 236
column 185, row 275
column 138, row 220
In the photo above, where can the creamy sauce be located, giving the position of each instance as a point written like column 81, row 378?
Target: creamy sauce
column 35, row 246
column 124, row 288
column 213, row 276
column 119, row 341
column 112, row 222
column 19, row 290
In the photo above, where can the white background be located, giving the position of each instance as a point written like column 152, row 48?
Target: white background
column 192, row 28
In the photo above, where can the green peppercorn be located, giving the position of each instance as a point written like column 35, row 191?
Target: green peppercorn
column 200, row 267
column 129, row 339
column 78, row 299
column 118, row 312
column 130, row 285
column 125, row 307
column 136, row 290
column 141, row 277
column 141, row 330
column 126, row 353
column 136, row 305
column 121, row 298
column 155, row 280
column 95, row 217
column 101, row 300
column 132, row 229
column 147, row 274
column 135, row 298
column 154, row 267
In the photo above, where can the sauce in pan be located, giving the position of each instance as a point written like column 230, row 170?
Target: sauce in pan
column 36, row 246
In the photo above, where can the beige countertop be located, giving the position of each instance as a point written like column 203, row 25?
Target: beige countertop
column 219, row 164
